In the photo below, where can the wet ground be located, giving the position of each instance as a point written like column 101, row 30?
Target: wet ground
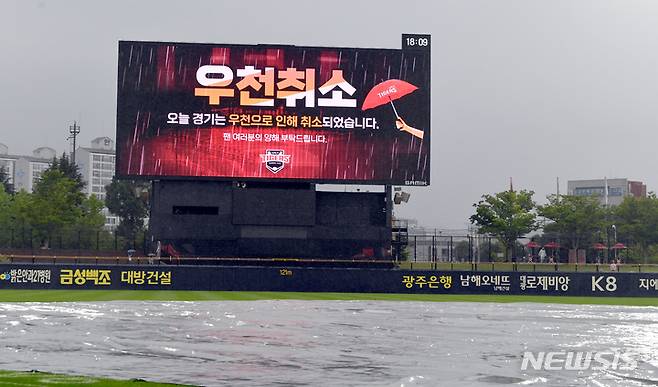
column 332, row 343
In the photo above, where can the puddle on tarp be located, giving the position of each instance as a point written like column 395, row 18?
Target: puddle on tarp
column 328, row 343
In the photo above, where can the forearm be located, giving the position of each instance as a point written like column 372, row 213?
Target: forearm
column 413, row 131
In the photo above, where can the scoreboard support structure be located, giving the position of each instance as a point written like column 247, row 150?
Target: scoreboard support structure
column 269, row 220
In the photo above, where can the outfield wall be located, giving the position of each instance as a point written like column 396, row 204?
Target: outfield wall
column 293, row 279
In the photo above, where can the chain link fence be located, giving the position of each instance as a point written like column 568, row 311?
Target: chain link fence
column 39, row 240
column 453, row 248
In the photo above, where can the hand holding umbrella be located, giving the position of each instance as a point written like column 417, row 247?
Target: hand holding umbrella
column 388, row 91
column 400, row 124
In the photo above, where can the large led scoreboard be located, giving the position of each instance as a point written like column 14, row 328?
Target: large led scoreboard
column 272, row 112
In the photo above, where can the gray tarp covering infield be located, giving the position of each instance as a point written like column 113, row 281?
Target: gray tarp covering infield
column 334, row 343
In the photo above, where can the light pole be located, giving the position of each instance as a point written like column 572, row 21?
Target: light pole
column 614, row 229
column 74, row 130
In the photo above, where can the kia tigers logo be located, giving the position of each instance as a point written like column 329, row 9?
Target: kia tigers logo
column 275, row 159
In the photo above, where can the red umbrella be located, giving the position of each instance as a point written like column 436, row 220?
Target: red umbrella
column 532, row 245
column 387, row 92
column 551, row 245
column 619, row 246
column 599, row 246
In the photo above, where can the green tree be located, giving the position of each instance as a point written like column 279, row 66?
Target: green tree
column 91, row 215
column 636, row 220
column 576, row 219
column 5, row 208
column 68, row 169
column 20, row 214
column 126, row 200
column 4, row 181
column 55, row 204
column 21, row 209
column 507, row 215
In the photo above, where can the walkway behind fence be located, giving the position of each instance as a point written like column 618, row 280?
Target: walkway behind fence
column 438, row 248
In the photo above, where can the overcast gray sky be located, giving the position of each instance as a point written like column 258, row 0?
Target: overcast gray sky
column 526, row 89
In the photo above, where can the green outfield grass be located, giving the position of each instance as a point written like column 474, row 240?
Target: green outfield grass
column 11, row 295
column 35, row 378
